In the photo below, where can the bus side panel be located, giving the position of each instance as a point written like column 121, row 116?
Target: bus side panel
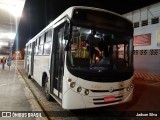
column 41, row 65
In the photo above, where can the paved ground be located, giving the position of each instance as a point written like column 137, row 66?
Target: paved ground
column 15, row 96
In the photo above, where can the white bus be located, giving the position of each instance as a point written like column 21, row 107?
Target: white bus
column 80, row 72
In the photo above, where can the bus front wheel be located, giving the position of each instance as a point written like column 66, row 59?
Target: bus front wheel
column 29, row 76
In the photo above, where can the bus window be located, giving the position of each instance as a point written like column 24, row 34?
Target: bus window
column 49, row 35
column 40, row 50
column 79, row 45
column 36, row 42
column 103, row 50
column 41, row 39
column 36, row 50
column 29, row 49
column 47, row 48
column 47, row 45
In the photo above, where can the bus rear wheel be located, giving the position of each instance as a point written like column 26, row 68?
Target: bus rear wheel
column 29, row 76
column 47, row 93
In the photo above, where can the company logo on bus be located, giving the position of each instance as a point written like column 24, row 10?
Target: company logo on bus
column 111, row 90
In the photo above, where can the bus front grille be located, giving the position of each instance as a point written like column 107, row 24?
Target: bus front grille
column 107, row 90
column 100, row 101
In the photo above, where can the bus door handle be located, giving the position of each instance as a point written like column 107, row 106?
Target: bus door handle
column 56, row 78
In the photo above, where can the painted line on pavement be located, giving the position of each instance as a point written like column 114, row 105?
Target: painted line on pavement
column 3, row 85
column 155, row 83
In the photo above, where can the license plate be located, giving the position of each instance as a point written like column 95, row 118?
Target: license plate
column 109, row 99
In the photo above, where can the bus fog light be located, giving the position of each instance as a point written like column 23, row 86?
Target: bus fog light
column 69, row 80
column 72, row 85
column 86, row 92
column 128, row 88
column 131, row 86
column 79, row 89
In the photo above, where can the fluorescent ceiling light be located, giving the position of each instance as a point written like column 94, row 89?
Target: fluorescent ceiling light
column 13, row 7
column 8, row 36
column 3, row 43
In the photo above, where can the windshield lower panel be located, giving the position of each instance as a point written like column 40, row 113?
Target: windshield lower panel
column 98, row 55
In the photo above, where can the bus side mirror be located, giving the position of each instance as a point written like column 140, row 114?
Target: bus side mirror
column 66, row 31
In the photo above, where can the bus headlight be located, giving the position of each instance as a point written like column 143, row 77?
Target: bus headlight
column 72, row 85
column 86, row 92
column 79, row 89
column 129, row 87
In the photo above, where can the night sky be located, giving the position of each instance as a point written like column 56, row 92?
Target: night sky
column 39, row 13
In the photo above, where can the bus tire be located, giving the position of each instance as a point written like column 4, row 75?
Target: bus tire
column 47, row 93
column 29, row 76
column 44, row 84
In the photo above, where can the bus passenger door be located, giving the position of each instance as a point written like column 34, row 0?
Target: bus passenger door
column 57, row 65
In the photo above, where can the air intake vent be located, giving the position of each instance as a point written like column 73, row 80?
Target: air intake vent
column 136, row 24
column 107, row 90
column 100, row 101
column 155, row 20
column 144, row 22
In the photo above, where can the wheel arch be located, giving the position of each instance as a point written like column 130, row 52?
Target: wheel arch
column 44, row 76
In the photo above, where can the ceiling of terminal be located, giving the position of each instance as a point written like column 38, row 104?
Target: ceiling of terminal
column 10, row 13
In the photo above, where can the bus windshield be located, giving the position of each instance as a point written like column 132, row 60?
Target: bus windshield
column 97, row 48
